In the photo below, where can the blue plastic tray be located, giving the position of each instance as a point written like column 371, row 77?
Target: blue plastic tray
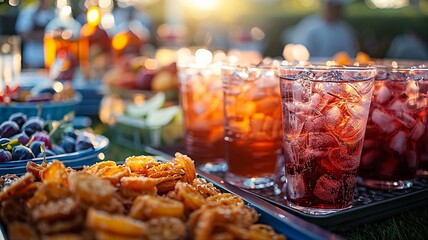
column 74, row 160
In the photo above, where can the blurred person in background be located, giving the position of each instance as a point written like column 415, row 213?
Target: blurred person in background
column 408, row 45
column 30, row 24
column 326, row 33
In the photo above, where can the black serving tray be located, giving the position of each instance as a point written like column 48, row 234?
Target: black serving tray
column 369, row 205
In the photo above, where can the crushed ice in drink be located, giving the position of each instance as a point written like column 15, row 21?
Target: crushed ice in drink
column 398, row 142
column 333, row 76
column 342, row 160
column 383, row 121
column 418, row 131
column 296, row 186
column 333, row 116
column 305, row 75
column 382, row 95
column 327, row 189
column 321, row 141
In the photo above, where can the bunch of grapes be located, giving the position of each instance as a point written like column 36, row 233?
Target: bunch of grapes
column 22, row 138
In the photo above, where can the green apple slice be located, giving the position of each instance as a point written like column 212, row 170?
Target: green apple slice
column 162, row 116
column 150, row 105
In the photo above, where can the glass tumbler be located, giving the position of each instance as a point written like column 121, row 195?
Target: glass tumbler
column 253, row 131
column 325, row 111
column 201, row 97
column 10, row 61
column 396, row 126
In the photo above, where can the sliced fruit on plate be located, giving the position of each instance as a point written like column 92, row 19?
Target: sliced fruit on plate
column 150, row 105
column 162, row 116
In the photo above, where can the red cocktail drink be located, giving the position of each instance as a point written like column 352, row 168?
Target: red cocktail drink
column 395, row 129
column 325, row 111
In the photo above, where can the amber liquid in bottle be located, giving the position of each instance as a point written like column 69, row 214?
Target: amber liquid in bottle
column 61, row 44
column 128, row 42
column 64, row 52
column 94, row 49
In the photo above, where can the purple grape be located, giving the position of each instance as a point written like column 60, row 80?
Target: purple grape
column 8, row 128
column 44, row 137
column 47, row 152
column 22, row 137
column 19, row 118
column 5, row 156
column 22, row 152
column 68, row 143
column 4, row 140
column 70, row 132
column 84, row 141
column 32, row 125
column 58, row 150
column 35, row 147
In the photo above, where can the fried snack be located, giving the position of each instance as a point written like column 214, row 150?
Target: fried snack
column 188, row 166
column 55, row 172
column 102, row 235
column 7, row 179
column 226, row 199
column 146, row 207
column 17, row 187
column 141, row 164
column 93, row 169
column 115, row 224
column 205, row 188
column 48, row 192
column 35, row 168
column 187, row 194
column 166, row 228
column 113, row 173
column 65, row 236
column 254, row 232
column 95, row 192
column 13, row 210
column 91, row 189
column 140, row 185
column 141, row 199
column 21, row 231
column 66, row 225
column 55, row 210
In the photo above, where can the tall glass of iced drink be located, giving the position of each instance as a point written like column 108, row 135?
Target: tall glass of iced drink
column 253, row 131
column 325, row 111
column 395, row 129
column 201, row 97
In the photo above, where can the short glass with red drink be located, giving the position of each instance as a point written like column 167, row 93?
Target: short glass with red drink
column 201, row 97
column 395, row 130
column 253, row 131
column 325, row 111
